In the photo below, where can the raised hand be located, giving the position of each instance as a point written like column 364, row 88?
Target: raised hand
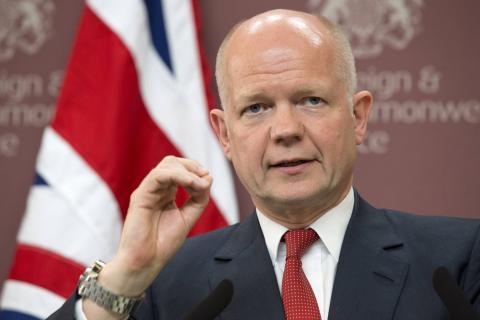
column 155, row 228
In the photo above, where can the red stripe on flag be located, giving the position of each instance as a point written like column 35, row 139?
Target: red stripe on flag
column 100, row 112
column 45, row 269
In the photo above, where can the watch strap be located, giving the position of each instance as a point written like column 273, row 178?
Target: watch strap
column 91, row 289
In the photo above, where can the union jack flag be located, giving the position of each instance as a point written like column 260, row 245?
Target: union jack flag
column 134, row 91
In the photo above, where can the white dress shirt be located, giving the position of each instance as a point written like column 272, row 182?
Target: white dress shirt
column 320, row 260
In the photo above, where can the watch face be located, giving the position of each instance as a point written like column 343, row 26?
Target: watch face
column 98, row 266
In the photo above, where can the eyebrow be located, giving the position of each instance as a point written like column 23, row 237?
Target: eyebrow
column 310, row 92
column 247, row 97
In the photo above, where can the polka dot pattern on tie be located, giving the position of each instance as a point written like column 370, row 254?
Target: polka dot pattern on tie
column 299, row 301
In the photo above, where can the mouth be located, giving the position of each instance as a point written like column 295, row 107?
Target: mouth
column 290, row 163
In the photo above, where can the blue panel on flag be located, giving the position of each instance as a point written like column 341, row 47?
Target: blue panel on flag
column 158, row 31
column 39, row 181
column 12, row 315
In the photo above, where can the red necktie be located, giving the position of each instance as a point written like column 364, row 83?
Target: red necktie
column 298, row 298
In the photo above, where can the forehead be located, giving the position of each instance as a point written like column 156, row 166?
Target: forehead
column 257, row 59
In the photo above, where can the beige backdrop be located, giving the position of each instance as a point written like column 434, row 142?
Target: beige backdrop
column 419, row 58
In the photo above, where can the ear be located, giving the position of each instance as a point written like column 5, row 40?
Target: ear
column 362, row 104
column 217, row 119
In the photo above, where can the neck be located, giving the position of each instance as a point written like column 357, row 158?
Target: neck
column 301, row 216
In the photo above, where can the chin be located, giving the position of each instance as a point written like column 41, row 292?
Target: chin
column 308, row 194
column 294, row 199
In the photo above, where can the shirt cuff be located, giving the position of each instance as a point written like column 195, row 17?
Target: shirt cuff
column 79, row 315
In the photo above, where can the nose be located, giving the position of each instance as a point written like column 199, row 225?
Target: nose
column 286, row 127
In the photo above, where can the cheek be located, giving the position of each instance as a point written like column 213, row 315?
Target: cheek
column 248, row 146
column 345, row 147
column 335, row 140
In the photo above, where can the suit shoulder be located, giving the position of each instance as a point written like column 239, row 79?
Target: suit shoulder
column 433, row 227
column 399, row 217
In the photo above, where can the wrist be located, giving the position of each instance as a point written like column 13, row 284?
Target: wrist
column 126, row 278
column 92, row 290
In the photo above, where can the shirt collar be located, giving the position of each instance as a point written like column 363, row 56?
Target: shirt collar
column 330, row 227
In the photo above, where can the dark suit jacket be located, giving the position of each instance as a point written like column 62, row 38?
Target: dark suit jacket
column 384, row 272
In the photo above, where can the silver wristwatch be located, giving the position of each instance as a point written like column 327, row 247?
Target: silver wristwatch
column 88, row 287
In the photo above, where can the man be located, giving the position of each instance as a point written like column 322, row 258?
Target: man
column 290, row 124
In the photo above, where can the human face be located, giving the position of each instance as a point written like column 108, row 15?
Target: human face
column 290, row 127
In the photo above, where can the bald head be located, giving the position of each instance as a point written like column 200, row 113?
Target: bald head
column 262, row 30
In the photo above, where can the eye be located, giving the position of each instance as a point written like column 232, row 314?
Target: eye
column 312, row 101
column 254, row 108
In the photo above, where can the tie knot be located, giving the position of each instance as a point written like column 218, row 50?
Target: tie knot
column 298, row 241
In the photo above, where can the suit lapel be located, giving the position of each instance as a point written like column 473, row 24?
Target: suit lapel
column 244, row 259
column 372, row 269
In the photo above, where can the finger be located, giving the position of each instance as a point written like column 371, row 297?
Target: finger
column 191, row 165
column 162, row 179
column 159, row 187
column 197, row 202
column 176, row 170
column 200, row 195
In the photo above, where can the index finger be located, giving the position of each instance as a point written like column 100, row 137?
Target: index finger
column 191, row 165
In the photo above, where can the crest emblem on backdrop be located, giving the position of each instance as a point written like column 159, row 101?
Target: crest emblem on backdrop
column 373, row 24
column 25, row 25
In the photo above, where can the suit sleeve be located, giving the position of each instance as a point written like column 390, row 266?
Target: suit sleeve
column 67, row 310
column 472, row 278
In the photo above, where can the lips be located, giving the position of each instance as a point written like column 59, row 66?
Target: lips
column 289, row 163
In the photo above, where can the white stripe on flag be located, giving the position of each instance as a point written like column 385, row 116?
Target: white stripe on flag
column 88, row 199
column 179, row 22
column 180, row 115
column 51, row 223
column 187, row 67
column 21, row 296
